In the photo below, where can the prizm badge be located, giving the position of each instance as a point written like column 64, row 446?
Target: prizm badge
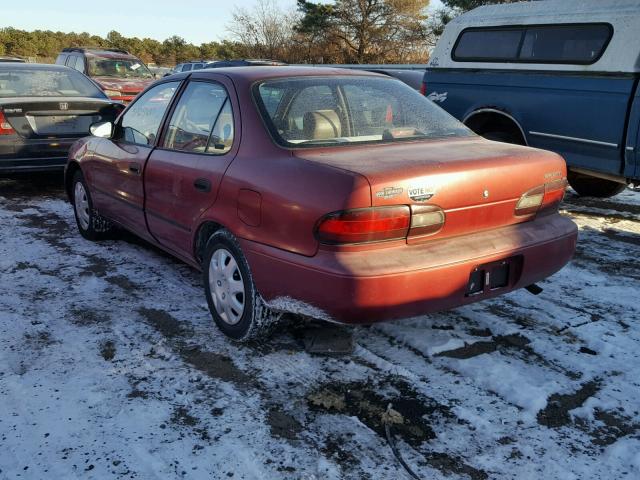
column 420, row 194
column 12, row 110
column 389, row 192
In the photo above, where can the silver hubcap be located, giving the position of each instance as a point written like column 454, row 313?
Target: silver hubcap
column 82, row 205
column 226, row 285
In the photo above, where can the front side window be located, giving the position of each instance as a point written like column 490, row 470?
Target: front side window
column 202, row 122
column 580, row 44
column 186, row 68
column 114, row 66
column 140, row 124
column 344, row 110
column 43, row 82
column 79, row 64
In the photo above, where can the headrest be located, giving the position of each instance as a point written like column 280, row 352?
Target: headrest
column 321, row 124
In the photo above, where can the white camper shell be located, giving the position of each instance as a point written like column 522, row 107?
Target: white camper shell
column 618, row 20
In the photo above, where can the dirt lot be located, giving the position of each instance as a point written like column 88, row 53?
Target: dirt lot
column 111, row 367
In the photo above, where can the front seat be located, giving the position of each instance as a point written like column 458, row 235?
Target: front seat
column 321, row 125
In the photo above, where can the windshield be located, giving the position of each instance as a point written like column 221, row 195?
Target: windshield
column 19, row 82
column 343, row 110
column 117, row 67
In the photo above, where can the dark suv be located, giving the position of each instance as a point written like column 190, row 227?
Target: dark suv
column 121, row 75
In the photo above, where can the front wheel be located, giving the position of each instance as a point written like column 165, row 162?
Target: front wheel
column 587, row 186
column 91, row 225
column 234, row 303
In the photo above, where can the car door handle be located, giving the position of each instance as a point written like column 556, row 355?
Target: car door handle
column 202, row 185
column 134, row 168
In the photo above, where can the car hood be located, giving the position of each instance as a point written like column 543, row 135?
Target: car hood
column 122, row 84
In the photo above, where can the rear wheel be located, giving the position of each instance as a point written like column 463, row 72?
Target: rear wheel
column 234, row 303
column 587, row 186
column 91, row 224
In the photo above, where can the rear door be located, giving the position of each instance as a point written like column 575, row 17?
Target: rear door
column 184, row 173
column 116, row 177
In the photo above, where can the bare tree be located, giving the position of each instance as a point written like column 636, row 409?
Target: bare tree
column 366, row 31
column 265, row 31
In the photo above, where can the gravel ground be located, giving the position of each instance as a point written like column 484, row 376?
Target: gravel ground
column 111, row 368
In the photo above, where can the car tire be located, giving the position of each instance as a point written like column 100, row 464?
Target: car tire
column 91, row 224
column 235, row 305
column 587, row 186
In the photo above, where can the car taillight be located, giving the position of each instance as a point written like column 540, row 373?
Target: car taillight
column 545, row 198
column 364, row 225
column 5, row 127
column 423, row 88
column 426, row 220
column 553, row 195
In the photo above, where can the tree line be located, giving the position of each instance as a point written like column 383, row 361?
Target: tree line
column 341, row 31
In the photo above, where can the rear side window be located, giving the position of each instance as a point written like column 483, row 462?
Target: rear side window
column 581, row 44
column 202, row 122
column 496, row 45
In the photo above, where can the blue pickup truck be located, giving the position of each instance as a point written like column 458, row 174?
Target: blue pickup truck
column 557, row 74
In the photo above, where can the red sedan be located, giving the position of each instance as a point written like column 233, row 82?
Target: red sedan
column 335, row 194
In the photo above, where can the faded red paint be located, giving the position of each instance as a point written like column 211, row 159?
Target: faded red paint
column 272, row 198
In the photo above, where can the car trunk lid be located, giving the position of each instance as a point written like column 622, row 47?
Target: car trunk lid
column 476, row 182
column 44, row 117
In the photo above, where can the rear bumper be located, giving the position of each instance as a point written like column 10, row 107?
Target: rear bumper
column 407, row 280
column 16, row 165
column 31, row 155
column 123, row 98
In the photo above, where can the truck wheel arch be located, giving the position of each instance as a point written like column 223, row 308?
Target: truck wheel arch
column 492, row 121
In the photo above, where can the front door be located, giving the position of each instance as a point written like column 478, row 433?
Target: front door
column 116, row 178
column 184, row 173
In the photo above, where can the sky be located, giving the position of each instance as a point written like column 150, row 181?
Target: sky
column 196, row 21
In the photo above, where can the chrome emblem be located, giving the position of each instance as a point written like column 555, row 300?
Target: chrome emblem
column 64, row 106
column 485, row 194
column 420, row 194
column 389, row 192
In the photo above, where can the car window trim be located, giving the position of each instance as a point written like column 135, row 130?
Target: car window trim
column 118, row 123
column 523, row 32
column 161, row 137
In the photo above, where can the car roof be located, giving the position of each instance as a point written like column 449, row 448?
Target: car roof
column 259, row 72
column 622, row 54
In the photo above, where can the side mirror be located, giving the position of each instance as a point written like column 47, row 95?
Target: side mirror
column 102, row 129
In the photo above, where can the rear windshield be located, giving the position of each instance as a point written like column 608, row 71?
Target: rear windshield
column 113, row 66
column 345, row 110
column 569, row 44
column 46, row 83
